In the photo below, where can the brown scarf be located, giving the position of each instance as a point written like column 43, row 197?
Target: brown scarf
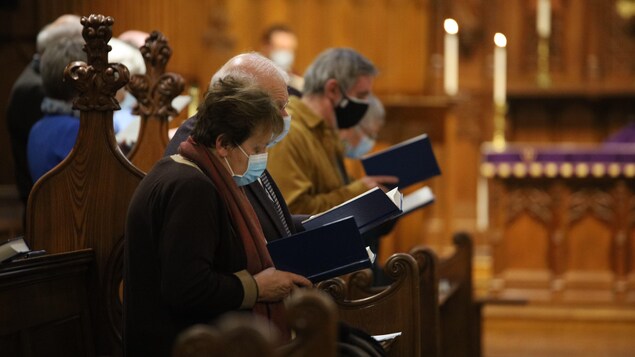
column 244, row 221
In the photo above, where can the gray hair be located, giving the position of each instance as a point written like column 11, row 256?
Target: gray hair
column 65, row 26
column 376, row 114
column 250, row 67
column 342, row 64
column 54, row 61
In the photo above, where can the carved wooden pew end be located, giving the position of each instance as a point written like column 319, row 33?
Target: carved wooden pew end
column 310, row 313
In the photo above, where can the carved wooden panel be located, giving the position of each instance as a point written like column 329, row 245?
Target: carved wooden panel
column 577, row 250
column 82, row 202
column 154, row 92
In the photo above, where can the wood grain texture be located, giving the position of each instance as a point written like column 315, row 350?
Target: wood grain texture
column 82, row 202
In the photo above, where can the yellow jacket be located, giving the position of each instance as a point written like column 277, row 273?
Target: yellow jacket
column 305, row 167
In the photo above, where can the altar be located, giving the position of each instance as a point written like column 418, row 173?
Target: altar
column 560, row 220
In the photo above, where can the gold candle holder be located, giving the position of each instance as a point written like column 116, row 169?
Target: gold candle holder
column 498, row 139
column 543, row 77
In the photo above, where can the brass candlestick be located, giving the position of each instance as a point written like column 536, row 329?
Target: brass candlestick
column 543, row 78
column 498, row 140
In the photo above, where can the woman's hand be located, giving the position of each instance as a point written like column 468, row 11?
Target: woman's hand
column 275, row 285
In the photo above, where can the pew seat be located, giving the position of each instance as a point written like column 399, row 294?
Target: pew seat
column 45, row 305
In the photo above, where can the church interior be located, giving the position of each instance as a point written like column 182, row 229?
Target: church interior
column 530, row 109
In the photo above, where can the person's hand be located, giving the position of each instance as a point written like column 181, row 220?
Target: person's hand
column 275, row 285
column 379, row 181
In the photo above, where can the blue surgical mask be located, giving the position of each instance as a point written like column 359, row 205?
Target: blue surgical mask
column 285, row 131
column 255, row 167
column 364, row 146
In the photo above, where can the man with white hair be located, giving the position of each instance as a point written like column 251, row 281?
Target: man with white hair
column 27, row 95
column 264, row 195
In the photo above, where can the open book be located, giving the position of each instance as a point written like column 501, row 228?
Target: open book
column 369, row 209
column 325, row 252
column 417, row 199
column 411, row 161
column 13, row 247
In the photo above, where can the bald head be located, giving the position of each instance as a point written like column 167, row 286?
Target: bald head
column 256, row 69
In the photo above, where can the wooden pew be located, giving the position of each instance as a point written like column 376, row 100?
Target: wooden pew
column 395, row 308
column 44, row 305
column 360, row 285
column 456, row 302
column 82, row 202
column 311, row 314
column 455, row 312
column 154, row 92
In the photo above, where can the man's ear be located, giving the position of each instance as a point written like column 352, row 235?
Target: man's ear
column 332, row 90
column 221, row 146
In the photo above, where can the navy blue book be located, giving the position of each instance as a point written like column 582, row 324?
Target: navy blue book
column 411, row 161
column 369, row 210
column 325, row 252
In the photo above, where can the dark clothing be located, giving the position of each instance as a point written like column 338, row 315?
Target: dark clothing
column 181, row 254
column 262, row 204
column 22, row 112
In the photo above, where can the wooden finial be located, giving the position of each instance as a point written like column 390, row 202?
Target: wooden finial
column 156, row 89
column 97, row 81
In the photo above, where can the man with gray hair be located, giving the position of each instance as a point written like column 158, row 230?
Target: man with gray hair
column 308, row 164
column 27, row 95
column 264, row 195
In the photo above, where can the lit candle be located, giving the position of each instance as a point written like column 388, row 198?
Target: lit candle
column 543, row 18
column 451, row 57
column 500, row 68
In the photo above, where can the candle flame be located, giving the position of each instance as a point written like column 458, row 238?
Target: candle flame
column 500, row 40
column 451, row 26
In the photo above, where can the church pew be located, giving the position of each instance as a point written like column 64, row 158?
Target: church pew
column 360, row 285
column 456, row 310
column 450, row 318
column 311, row 314
column 395, row 308
column 154, row 92
column 45, row 305
column 82, row 202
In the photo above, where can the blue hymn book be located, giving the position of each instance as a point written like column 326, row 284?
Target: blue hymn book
column 411, row 161
column 325, row 252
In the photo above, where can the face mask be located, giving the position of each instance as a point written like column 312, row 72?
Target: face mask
column 349, row 111
column 283, row 58
column 364, row 146
column 255, row 167
column 285, row 131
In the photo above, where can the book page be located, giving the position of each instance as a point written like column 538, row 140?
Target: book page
column 396, row 197
column 418, row 198
column 385, row 337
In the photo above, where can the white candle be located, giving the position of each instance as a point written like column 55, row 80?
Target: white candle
column 451, row 57
column 500, row 68
column 543, row 18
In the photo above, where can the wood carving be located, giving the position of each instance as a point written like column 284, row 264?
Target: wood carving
column 600, row 203
column 82, row 202
column 154, row 92
column 310, row 313
column 535, row 201
column 395, row 308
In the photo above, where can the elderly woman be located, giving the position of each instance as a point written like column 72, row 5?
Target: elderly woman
column 194, row 247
